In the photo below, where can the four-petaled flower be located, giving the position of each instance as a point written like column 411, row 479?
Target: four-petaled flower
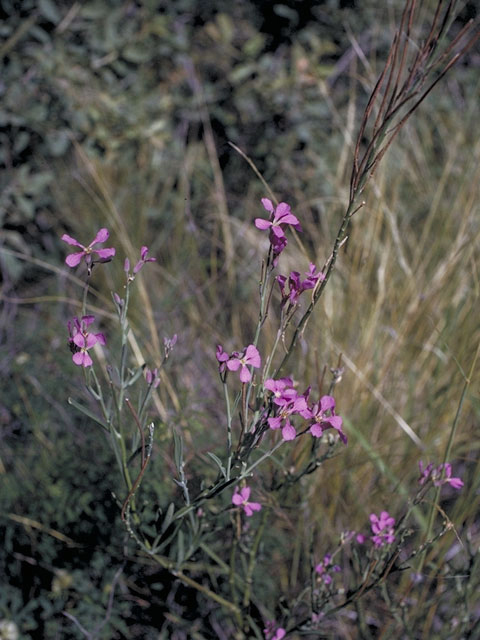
column 75, row 258
column 240, row 499
column 382, row 528
column 280, row 217
column 81, row 340
column 249, row 358
column 323, row 417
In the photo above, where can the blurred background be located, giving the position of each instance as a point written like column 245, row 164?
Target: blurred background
column 119, row 115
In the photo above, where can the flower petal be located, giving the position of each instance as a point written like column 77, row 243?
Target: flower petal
column 275, row 423
column 316, row 430
column 261, row 223
column 79, row 340
column 237, row 499
column 74, row 258
column 245, row 375
column 252, row 356
column 267, row 205
column 245, row 493
column 105, row 253
column 288, row 432
column 69, row 240
column 101, row 236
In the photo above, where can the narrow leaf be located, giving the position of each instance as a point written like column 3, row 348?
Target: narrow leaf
column 88, row 413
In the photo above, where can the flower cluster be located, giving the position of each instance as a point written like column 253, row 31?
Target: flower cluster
column 382, row 529
column 249, row 357
column 296, row 285
column 288, row 402
column 325, row 568
column 241, row 499
column 81, row 340
column 280, row 217
column 439, row 475
column 320, row 415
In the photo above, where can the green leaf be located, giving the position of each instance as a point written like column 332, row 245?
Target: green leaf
column 218, row 462
column 88, row 413
column 168, row 518
column 178, row 450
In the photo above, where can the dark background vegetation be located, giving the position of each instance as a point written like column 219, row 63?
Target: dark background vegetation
column 119, row 114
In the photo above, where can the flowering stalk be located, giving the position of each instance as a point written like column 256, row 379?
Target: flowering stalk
column 399, row 91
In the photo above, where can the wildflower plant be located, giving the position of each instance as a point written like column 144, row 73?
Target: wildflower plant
column 277, row 430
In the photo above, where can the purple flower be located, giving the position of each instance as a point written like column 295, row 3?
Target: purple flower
column 382, row 528
column 75, row 258
column 81, row 340
column 222, row 357
column 272, row 632
column 439, row 475
column 282, row 390
column 249, row 358
column 279, row 219
column 322, row 416
column 296, row 285
column 278, row 245
column 297, row 404
column 143, row 260
column 240, row 499
column 324, row 567
column 169, row 343
column 152, row 377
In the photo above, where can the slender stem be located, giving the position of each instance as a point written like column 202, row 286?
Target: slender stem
column 229, row 429
column 318, row 292
column 448, row 449
column 253, row 560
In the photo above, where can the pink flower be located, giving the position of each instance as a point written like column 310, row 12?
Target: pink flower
column 249, row 358
column 323, row 417
column 296, row 404
column 143, row 260
column 382, row 527
column 240, row 499
column 324, row 567
column 74, row 258
column 222, row 357
column 152, row 378
column 282, row 390
column 272, row 632
column 439, row 475
column 82, row 340
column 279, row 219
column 296, row 286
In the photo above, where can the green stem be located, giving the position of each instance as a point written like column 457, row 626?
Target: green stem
column 252, row 560
column 229, row 430
column 448, row 449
